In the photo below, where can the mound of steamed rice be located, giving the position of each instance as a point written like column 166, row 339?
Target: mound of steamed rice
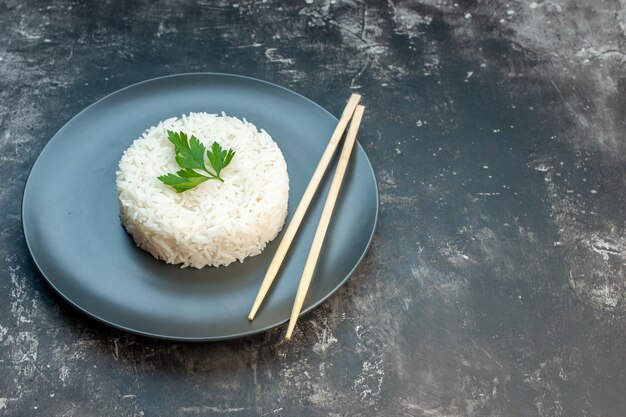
column 215, row 223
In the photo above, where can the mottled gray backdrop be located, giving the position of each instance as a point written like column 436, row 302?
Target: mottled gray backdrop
column 496, row 283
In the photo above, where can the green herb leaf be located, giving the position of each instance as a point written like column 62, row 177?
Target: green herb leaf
column 189, row 155
column 185, row 180
column 219, row 158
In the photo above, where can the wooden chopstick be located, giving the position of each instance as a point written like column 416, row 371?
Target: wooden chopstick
column 290, row 233
column 322, row 227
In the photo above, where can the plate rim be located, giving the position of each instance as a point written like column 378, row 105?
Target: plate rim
column 184, row 338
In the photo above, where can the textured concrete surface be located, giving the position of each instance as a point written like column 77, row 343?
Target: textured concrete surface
column 496, row 283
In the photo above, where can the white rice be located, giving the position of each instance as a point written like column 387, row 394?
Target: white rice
column 216, row 222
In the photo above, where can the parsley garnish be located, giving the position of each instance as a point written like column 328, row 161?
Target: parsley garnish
column 190, row 157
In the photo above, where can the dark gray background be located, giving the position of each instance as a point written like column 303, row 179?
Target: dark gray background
column 495, row 285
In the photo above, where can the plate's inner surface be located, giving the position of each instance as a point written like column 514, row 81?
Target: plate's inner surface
column 73, row 230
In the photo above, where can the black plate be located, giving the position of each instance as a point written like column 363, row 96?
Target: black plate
column 72, row 228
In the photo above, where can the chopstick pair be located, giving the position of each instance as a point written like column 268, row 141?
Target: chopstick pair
column 352, row 111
